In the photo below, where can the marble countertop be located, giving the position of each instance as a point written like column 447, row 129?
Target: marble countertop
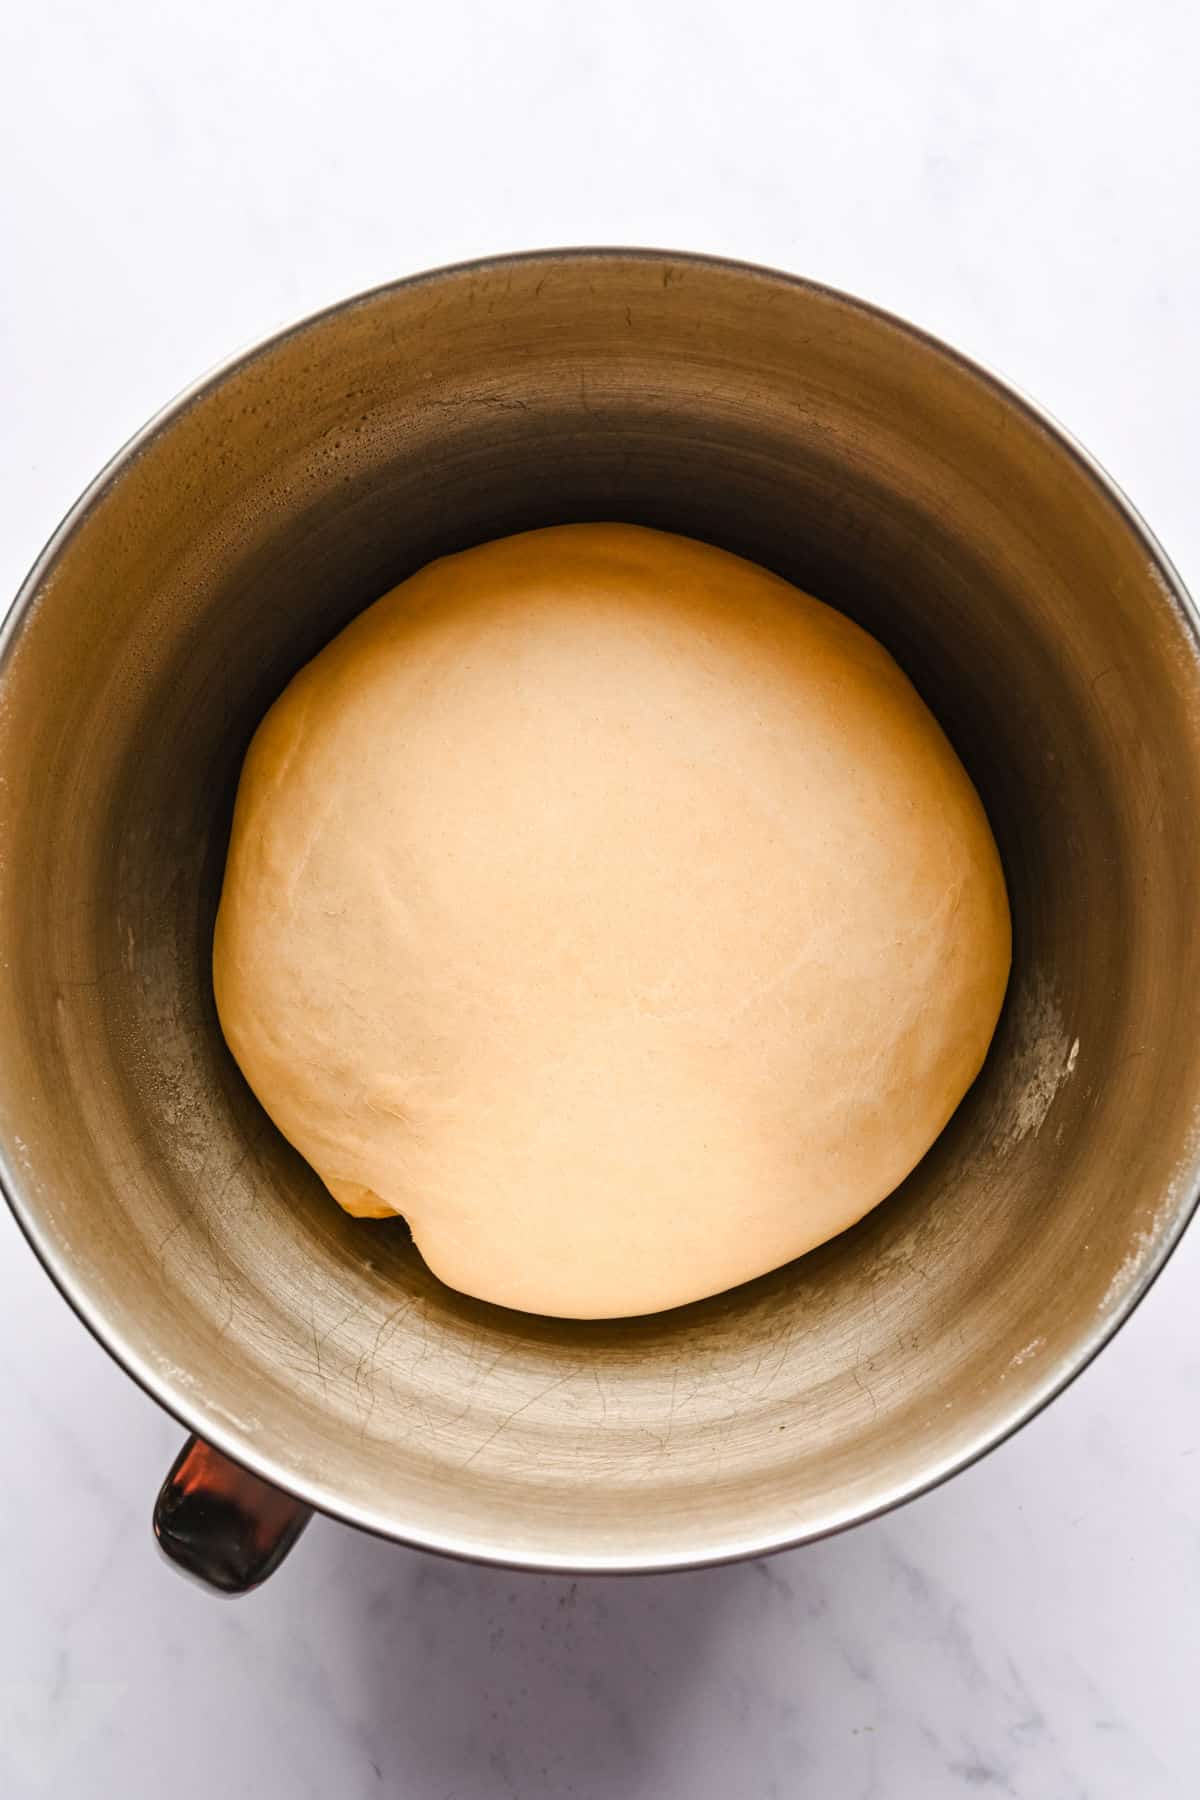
column 1023, row 181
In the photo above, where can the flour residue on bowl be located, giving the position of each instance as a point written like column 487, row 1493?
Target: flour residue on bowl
column 1142, row 1247
column 1042, row 1061
column 1146, row 1245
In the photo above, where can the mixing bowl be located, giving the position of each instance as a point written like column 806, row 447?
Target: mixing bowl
column 223, row 547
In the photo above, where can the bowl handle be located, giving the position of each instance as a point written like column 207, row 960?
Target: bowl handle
column 218, row 1522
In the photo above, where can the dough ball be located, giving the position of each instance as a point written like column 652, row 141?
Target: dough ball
column 613, row 911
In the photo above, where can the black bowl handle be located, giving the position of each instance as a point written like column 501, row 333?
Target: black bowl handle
column 218, row 1522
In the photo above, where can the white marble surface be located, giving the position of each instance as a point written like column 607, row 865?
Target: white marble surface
column 176, row 180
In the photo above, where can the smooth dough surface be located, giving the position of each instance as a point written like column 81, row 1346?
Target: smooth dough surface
column 613, row 911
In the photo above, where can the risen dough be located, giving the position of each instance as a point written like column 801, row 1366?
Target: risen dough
column 613, row 911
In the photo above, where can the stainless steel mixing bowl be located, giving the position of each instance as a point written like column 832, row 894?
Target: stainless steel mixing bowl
column 232, row 539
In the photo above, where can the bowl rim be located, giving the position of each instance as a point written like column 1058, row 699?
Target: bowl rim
column 217, row 1430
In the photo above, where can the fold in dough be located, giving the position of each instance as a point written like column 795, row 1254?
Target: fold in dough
column 613, row 911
